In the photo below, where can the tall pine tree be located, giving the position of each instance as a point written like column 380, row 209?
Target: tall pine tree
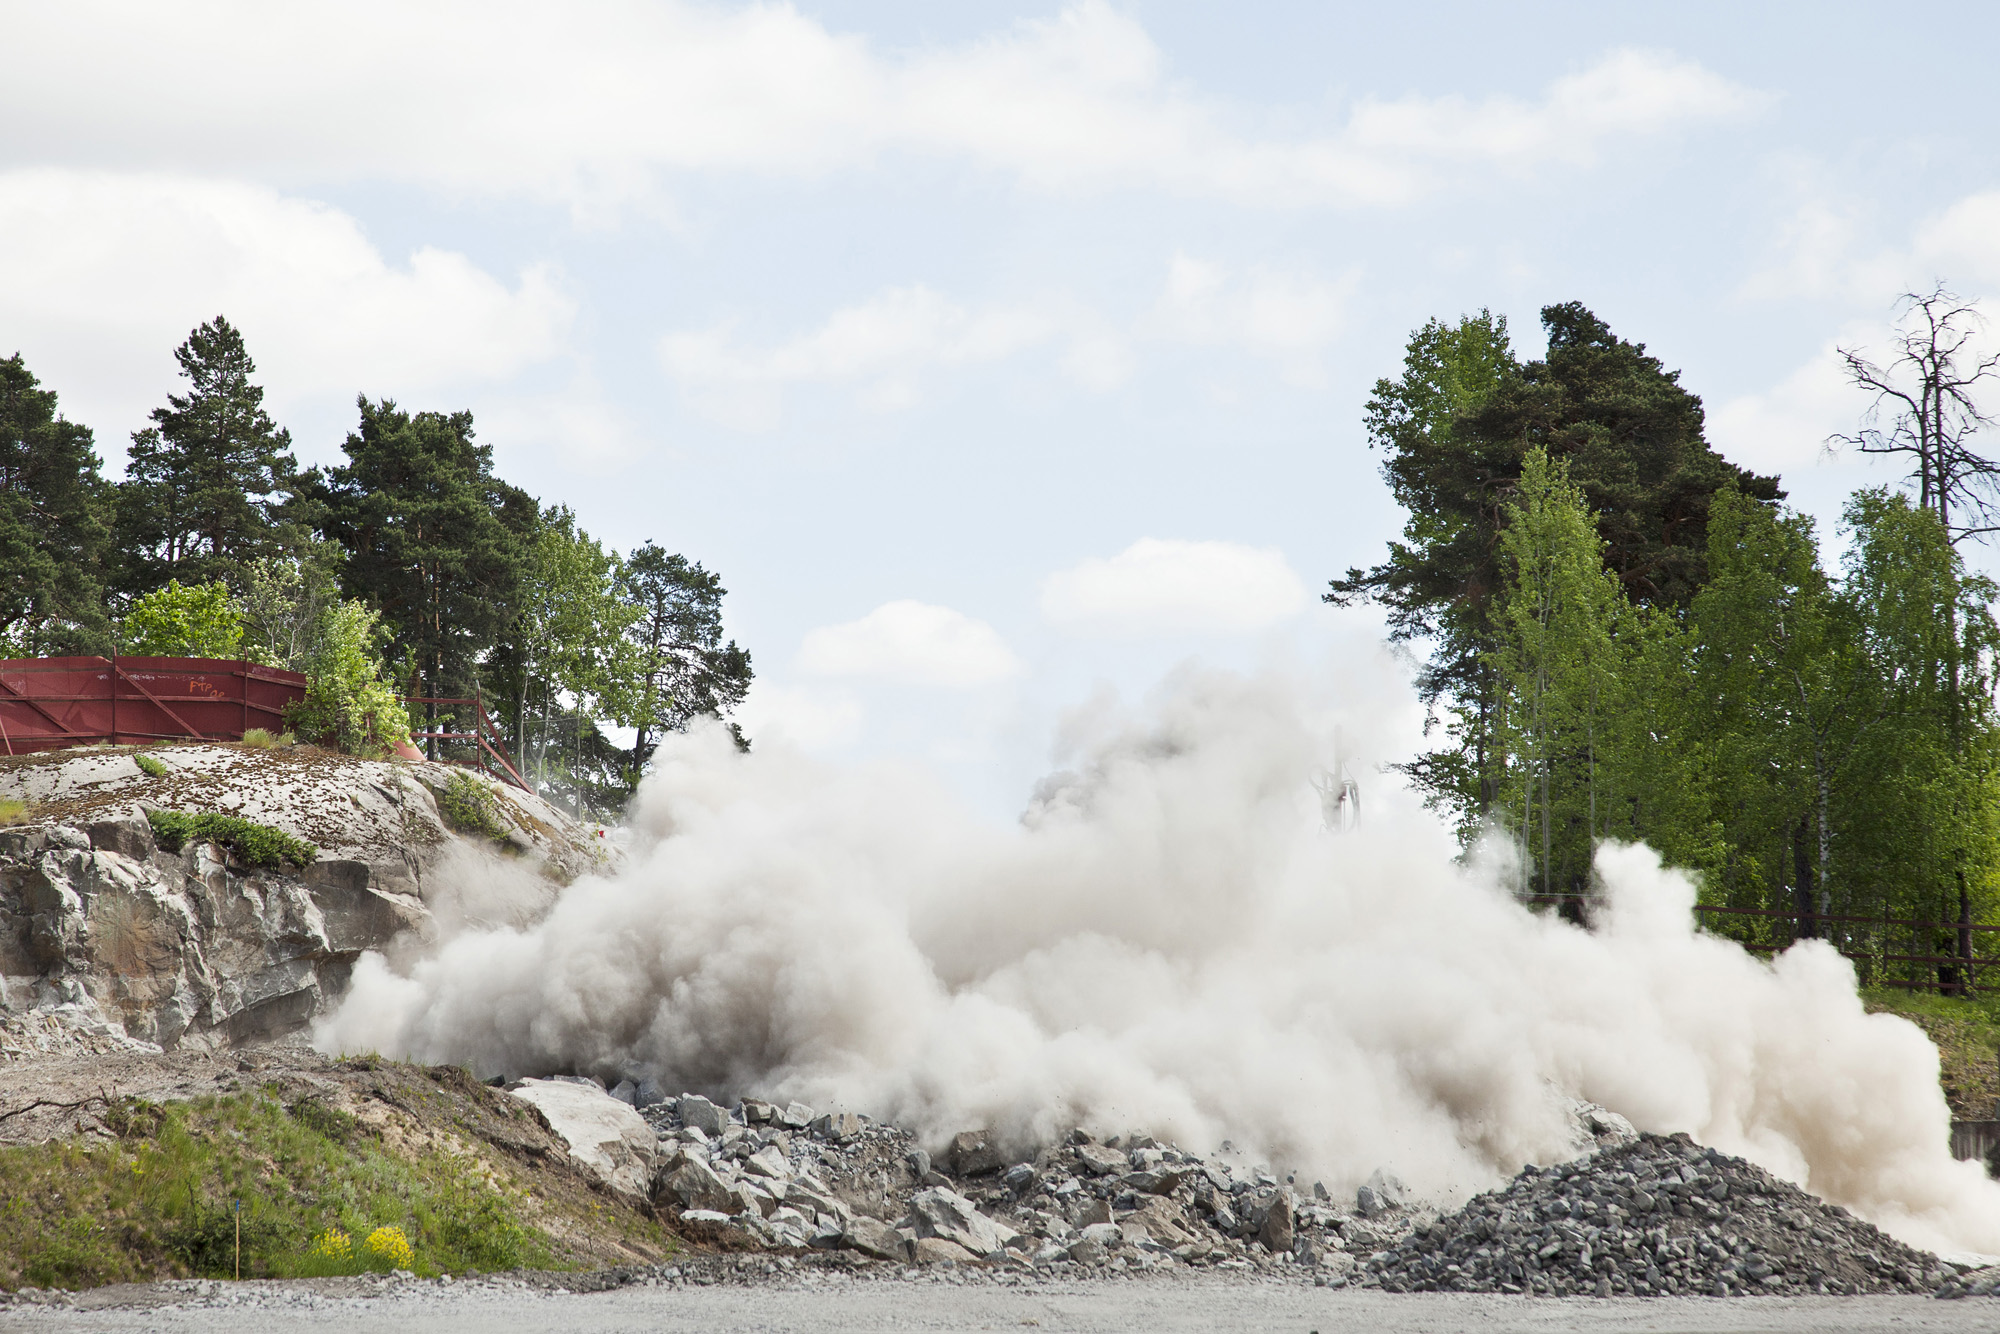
column 684, row 669
column 204, row 482
column 437, row 543
column 53, row 530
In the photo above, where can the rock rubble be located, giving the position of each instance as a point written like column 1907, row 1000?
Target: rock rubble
column 1656, row 1215
column 1639, row 1215
column 763, row 1177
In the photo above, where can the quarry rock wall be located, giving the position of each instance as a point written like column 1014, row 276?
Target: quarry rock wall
column 122, row 941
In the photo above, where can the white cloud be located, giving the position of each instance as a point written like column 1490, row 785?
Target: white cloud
column 125, row 265
column 1627, row 93
column 884, row 346
column 1962, row 244
column 807, row 718
column 1285, row 316
column 1822, row 251
column 1166, row 587
column 593, row 104
column 910, row 642
column 1787, row 425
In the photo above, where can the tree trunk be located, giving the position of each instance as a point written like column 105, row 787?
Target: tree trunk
column 1807, row 925
column 1965, row 978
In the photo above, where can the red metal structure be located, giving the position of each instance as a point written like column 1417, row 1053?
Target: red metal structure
column 49, row 703
column 489, row 748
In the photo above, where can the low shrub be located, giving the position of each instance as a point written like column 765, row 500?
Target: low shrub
column 151, row 766
column 387, row 1245
column 468, row 806
column 254, row 844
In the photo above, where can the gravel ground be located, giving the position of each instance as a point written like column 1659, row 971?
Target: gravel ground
column 831, row 1304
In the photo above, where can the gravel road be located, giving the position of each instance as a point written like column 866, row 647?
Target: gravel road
column 1202, row 1303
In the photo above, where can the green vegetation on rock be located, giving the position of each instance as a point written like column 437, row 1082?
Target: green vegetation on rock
column 256, row 844
column 468, row 806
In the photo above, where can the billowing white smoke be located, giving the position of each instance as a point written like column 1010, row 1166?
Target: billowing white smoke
column 1170, row 941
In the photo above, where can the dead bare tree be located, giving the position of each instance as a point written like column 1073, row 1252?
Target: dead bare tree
column 1928, row 389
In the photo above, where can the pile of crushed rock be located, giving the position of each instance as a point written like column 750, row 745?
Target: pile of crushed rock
column 1632, row 1215
column 1657, row 1215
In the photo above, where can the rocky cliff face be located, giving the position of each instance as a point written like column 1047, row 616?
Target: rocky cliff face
column 116, row 938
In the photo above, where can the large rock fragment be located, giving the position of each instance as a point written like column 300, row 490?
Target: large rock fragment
column 1101, row 1159
column 701, row 1114
column 973, row 1153
column 872, row 1236
column 603, row 1134
column 937, row 1212
column 688, row 1182
column 1276, row 1231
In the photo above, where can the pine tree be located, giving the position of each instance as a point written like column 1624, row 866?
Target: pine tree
column 53, row 531
column 437, row 544
column 1454, row 432
column 204, row 483
column 684, row 670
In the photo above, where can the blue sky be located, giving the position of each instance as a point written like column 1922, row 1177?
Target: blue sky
column 997, row 355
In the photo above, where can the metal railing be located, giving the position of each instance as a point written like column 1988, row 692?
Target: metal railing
column 489, row 747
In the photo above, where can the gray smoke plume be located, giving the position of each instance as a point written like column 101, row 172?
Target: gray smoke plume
column 1170, row 941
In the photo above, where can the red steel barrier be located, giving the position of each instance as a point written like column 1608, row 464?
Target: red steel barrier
column 49, row 703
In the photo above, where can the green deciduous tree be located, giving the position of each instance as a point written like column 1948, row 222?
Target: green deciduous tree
column 1785, row 698
column 347, row 703
column 54, row 535
column 1559, row 662
column 204, row 483
column 570, row 659
column 283, row 598
column 185, row 621
column 1919, row 833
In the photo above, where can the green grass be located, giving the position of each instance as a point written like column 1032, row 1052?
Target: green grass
column 151, row 766
column 256, row 844
column 263, row 739
column 1967, row 1034
column 160, row 1200
column 468, row 806
column 12, row 811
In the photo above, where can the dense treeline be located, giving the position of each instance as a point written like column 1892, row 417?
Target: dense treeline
column 410, row 569
column 1631, row 638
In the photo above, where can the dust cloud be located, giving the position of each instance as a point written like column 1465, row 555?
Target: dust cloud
column 1170, row 940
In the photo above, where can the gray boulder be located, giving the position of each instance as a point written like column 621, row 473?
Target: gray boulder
column 872, row 1236
column 973, row 1152
column 937, row 1212
column 688, row 1182
column 700, row 1114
